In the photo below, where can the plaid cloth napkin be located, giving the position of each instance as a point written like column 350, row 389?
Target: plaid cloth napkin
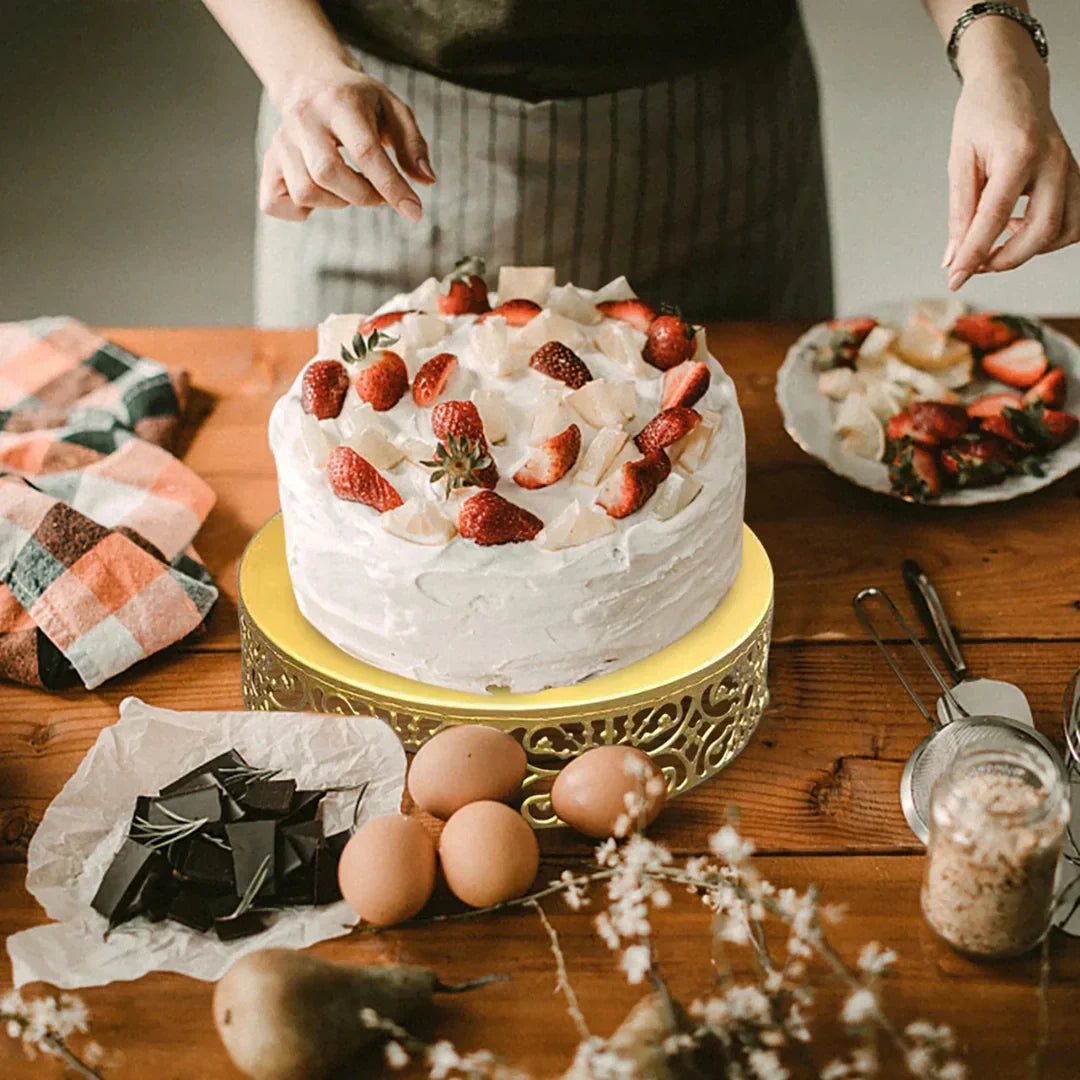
column 96, row 516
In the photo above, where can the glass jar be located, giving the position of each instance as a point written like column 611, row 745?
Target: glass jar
column 997, row 823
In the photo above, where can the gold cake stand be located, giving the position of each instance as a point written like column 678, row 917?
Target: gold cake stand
column 691, row 707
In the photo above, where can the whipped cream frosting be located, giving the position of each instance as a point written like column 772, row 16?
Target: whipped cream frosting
column 511, row 616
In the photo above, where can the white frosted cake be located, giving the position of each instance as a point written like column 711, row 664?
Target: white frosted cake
column 562, row 497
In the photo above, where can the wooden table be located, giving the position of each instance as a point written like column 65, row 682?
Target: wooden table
column 817, row 788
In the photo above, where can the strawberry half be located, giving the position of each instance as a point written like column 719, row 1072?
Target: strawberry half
column 1021, row 364
column 381, row 322
column 914, row 472
column 461, row 421
column 668, row 342
column 516, row 312
column 989, row 331
column 1035, row 428
column 431, row 379
column 558, row 361
column 979, row 462
column 465, row 292
column 902, row 426
column 323, row 389
column 634, row 484
column 551, row 460
column 383, row 384
column 846, row 335
column 1050, row 390
column 937, row 418
column 993, row 404
column 635, row 312
column 1060, row 427
column 354, row 478
column 487, row 519
column 685, row 384
column 666, row 428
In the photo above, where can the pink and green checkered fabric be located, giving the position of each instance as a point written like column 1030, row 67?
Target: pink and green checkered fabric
column 96, row 515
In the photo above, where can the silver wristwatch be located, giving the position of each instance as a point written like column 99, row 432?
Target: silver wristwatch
column 1008, row 11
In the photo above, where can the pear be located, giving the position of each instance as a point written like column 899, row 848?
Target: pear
column 287, row 1015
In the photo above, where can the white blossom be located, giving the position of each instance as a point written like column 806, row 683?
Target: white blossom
column 396, row 1057
column 859, row 1007
column 730, row 846
column 875, row 960
column 765, row 1065
column 636, row 962
column 442, row 1059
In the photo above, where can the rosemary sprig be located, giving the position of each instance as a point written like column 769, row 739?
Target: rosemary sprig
column 258, row 880
column 162, row 836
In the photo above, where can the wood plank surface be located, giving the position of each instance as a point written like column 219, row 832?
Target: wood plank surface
column 816, row 788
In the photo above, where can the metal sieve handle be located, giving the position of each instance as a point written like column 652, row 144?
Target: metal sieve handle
column 937, row 622
column 860, row 609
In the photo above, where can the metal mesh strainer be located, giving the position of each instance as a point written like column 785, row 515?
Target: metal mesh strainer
column 962, row 731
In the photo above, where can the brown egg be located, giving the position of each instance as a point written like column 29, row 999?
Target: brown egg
column 465, row 764
column 489, row 854
column 387, row 870
column 590, row 793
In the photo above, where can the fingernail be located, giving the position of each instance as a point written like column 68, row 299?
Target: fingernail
column 950, row 251
column 425, row 169
column 410, row 208
column 957, row 278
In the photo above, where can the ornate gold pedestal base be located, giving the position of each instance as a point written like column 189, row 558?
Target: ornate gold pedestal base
column 692, row 707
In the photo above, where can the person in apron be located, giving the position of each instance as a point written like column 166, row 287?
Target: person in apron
column 678, row 144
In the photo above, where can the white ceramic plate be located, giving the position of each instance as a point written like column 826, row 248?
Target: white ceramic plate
column 808, row 417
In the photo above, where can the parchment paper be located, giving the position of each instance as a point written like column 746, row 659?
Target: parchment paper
column 144, row 750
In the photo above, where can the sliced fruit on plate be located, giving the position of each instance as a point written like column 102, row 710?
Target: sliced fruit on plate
column 988, row 331
column 669, row 340
column 383, row 384
column 430, row 381
column 902, row 426
column 601, row 403
column 317, row 440
column 1050, row 390
column 884, row 399
column 516, row 312
column 548, row 463
column 941, row 313
column 419, row 522
column 674, row 495
column 871, row 352
column 600, row 455
column 847, row 335
column 836, row 383
column 959, row 374
column 487, row 519
column 1021, row 364
column 632, row 485
column 622, row 343
column 558, row 361
column 374, row 446
column 575, row 524
column 686, row 384
column 667, row 427
column 945, row 422
column 323, row 389
column 859, row 428
column 526, row 282
column 914, row 472
column 634, row 312
column 692, row 451
column 356, row 480
column 1035, row 428
column 925, row 346
column 981, row 461
column 491, row 405
column 994, row 404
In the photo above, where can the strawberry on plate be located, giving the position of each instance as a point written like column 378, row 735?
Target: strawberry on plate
column 988, row 331
column 487, row 519
column 631, row 487
column 1035, row 428
column 1021, row 364
column 914, row 472
column 685, row 384
column 464, row 291
column 667, row 427
column 559, row 361
column 669, row 340
column 462, row 458
column 1050, row 390
column 355, row 479
column 381, row 322
column 323, row 389
column 634, row 311
column 980, row 461
column 846, row 335
column 516, row 312
column 431, row 379
column 903, row 426
column 994, row 404
column 383, row 384
column 551, row 460
column 943, row 421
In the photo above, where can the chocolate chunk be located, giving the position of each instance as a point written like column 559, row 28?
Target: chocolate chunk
column 189, row 908
column 253, row 843
column 231, row 808
column 154, row 895
column 305, row 806
column 119, row 889
column 297, row 846
column 216, row 769
column 327, row 856
column 207, row 862
column 269, row 796
column 200, row 803
column 251, row 922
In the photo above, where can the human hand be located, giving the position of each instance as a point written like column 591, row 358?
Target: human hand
column 1006, row 143
column 304, row 169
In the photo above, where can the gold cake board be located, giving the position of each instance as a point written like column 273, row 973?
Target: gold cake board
column 692, row 706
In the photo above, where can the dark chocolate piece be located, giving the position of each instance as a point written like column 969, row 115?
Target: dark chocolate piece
column 297, row 846
column 251, row 922
column 214, row 769
column 269, row 796
column 305, row 806
column 231, row 808
column 116, row 895
column 189, row 908
column 327, row 856
column 193, row 805
column 154, row 896
column 142, row 810
column 208, row 863
column 253, row 843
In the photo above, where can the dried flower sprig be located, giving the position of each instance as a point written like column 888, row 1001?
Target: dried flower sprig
column 44, row 1025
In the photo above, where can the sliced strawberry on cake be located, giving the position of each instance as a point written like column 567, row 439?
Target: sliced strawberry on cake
column 981, row 461
column 551, row 460
column 634, row 311
column 1050, row 390
column 381, row 322
column 685, row 384
column 383, row 384
column 355, row 479
column 431, row 379
column 939, row 419
column 559, row 361
column 630, row 487
column 488, row 519
column 994, row 404
column 667, row 427
column 669, row 340
column 462, row 458
column 1021, row 364
column 914, row 472
column 323, row 389
column 516, row 312
column 464, row 291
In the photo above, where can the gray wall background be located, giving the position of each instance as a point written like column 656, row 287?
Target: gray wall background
column 127, row 172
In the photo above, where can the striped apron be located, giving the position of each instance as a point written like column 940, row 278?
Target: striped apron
column 707, row 190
